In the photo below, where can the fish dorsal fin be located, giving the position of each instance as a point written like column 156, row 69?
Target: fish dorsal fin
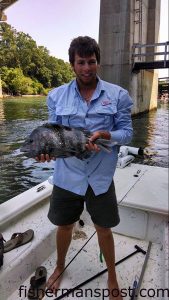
column 56, row 126
column 51, row 126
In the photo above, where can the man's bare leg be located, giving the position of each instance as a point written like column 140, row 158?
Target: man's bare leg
column 63, row 240
column 106, row 243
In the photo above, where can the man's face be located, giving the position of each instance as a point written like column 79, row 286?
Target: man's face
column 85, row 68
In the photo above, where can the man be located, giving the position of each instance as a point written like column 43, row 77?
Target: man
column 105, row 110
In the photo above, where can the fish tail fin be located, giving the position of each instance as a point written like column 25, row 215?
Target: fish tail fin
column 105, row 145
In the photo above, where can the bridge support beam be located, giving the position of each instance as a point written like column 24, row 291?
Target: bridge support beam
column 123, row 23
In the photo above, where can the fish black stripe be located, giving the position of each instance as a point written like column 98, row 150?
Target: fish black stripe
column 61, row 136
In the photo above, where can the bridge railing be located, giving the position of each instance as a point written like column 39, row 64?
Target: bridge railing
column 149, row 53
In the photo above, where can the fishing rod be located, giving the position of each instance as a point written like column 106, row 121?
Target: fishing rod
column 138, row 250
column 137, row 285
column 72, row 259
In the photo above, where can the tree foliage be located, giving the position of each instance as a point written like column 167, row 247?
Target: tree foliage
column 27, row 68
column 15, row 83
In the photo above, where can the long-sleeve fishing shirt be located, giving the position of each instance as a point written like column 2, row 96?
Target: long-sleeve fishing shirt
column 108, row 110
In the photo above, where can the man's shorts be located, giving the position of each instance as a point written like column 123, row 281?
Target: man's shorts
column 66, row 207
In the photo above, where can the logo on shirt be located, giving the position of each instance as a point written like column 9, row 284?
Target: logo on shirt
column 106, row 102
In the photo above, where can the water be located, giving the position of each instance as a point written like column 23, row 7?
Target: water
column 19, row 116
column 151, row 132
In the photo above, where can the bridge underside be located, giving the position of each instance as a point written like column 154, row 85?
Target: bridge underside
column 150, row 65
column 3, row 5
column 6, row 3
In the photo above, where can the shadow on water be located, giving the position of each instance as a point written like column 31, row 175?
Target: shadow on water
column 23, row 108
column 19, row 116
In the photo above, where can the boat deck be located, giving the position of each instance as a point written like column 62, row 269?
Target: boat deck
column 87, row 264
column 143, row 208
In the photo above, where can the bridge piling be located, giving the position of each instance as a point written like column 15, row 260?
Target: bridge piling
column 124, row 23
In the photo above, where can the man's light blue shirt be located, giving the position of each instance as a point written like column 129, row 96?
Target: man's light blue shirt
column 109, row 110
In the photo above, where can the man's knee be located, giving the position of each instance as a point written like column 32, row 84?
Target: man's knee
column 103, row 231
column 65, row 227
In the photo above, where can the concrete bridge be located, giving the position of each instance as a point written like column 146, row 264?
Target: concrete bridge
column 128, row 38
column 3, row 5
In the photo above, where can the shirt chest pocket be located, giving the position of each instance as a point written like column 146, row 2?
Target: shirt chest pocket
column 67, row 114
column 105, row 113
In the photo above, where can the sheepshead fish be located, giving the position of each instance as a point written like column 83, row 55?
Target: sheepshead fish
column 60, row 142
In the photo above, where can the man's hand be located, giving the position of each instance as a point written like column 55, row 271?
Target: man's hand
column 91, row 146
column 44, row 158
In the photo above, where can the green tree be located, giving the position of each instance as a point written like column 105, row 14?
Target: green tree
column 20, row 54
column 15, row 83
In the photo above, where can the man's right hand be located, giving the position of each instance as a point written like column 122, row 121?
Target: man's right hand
column 44, row 158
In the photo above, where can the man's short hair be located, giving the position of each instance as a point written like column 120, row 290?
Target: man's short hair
column 83, row 46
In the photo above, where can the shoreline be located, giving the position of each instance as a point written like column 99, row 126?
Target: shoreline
column 21, row 96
